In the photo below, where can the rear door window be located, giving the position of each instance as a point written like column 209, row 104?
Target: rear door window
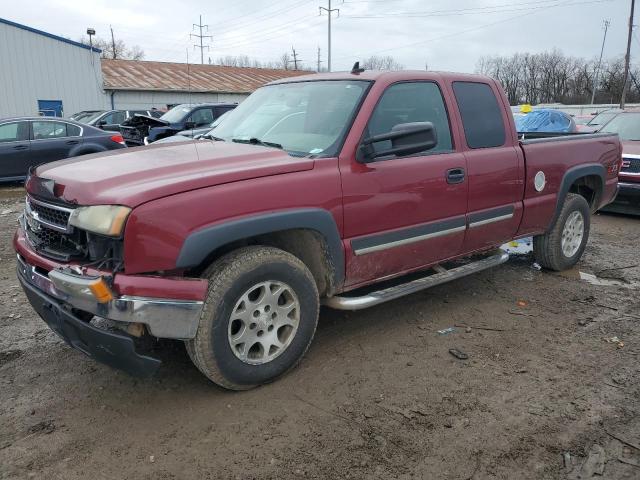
column 410, row 102
column 481, row 115
column 13, row 132
column 48, row 130
column 73, row 130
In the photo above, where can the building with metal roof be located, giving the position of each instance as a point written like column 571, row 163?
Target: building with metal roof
column 45, row 74
column 135, row 84
column 42, row 73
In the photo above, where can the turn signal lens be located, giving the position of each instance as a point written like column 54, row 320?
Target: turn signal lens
column 101, row 290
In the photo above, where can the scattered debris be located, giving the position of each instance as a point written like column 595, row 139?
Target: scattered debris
column 521, row 303
column 522, row 246
column 9, row 355
column 600, row 282
column 446, row 331
column 536, row 266
column 515, row 312
column 615, row 340
column 623, row 440
column 152, row 459
column 6, row 211
column 566, row 460
column 594, row 464
column 522, row 370
column 459, row 354
column 479, row 328
column 46, row 427
column 628, row 461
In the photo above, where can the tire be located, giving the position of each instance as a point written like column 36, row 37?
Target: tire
column 548, row 248
column 240, row 284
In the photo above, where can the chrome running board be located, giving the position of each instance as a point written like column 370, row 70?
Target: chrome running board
column 397, row 291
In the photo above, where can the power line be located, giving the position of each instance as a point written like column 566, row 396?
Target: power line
column 201, row 37
column 329, row 11
column 476, row 28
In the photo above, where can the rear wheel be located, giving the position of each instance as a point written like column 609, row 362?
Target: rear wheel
column 562, row 246
column 259, row 318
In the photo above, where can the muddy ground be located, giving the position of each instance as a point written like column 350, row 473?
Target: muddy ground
column 542, row 395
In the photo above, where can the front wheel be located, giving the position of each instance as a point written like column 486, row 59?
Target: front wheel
column 561, row 247
column 259, row 318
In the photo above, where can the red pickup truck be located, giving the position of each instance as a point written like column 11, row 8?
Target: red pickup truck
column 325, row 189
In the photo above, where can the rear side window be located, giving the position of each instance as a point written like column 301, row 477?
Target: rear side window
column 410, row 102
column 73, row 130
column 481, row 115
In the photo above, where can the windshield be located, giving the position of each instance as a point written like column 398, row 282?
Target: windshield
column 626, row 125
column 303, row 117
column 177, row 113
column 602, row 118
column 87, row 117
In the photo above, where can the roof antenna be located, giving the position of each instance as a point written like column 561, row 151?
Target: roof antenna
column 356, row 70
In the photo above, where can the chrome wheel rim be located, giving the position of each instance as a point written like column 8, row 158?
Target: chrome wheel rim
column 572, row 234
column 264, row 322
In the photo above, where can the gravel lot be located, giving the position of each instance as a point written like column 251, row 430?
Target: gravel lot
column 542, row 395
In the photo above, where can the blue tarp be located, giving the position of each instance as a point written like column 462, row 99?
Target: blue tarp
column 545, row 120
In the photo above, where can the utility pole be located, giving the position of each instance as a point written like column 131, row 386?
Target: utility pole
column 113, row 44
column 329, row 11
column 201, row 37
column 295, row 58
column 627, row 57
column 319, row 61
column 595, row 77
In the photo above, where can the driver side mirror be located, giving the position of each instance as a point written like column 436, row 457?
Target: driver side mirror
column 189, row 125
column 102, row 123
column 406, row 139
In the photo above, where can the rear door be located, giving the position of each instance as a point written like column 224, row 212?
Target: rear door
column 14, row 149
column 403, row 213
column 53, row 140
column 494, row 165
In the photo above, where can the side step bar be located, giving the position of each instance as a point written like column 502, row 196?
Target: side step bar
column 397, row 291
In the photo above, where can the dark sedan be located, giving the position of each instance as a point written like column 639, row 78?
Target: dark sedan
column 142, row 130
column 29, row 141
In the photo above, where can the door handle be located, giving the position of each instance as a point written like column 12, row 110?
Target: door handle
column 20, row 147
column 455, row 175
column 71, row 142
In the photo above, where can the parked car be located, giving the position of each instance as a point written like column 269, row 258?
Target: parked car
column 29, row 141
column 599, row 120
column 84, row 114
column 546, row 120
column 110, row 120
column 317, row 189
column 195, row 133
column 627, row 126
column 142, row 130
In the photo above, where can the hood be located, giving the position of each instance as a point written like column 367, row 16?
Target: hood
column 138, row 120
column 630, row 148
column 136, row 175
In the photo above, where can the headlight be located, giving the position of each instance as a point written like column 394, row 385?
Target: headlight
column 103, row 219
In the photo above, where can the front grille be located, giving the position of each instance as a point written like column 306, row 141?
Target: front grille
column 52, row 215
column 630, row 165
column 54, row 244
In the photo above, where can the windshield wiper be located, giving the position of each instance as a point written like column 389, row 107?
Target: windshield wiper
column 257, row 141
column 212, row 137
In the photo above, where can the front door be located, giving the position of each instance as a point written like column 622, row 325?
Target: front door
column 14, row 149
column 403, row 213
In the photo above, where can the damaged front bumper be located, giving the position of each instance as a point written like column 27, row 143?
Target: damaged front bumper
column 63, row 297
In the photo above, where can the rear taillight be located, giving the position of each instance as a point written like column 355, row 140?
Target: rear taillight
column 118, row 139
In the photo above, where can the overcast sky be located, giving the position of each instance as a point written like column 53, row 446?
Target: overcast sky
column 448, row 35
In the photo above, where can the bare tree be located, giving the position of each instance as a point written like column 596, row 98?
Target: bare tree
column 551, row 77
column 122, row 51
column 376, row 62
